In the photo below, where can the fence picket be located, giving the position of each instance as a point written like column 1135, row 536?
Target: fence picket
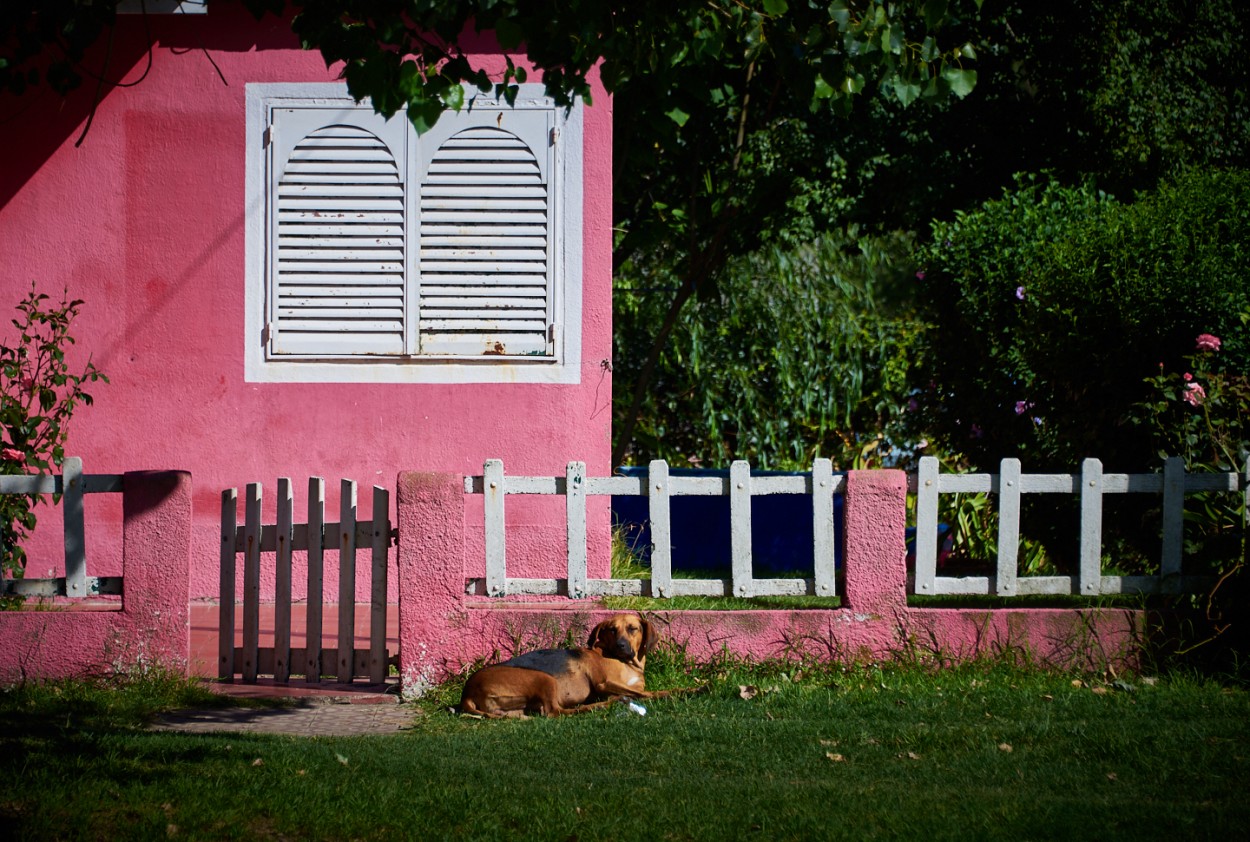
column 1091, row 527
column 740, row 528
column 824, row 535
column 926, row 525
column 1173, row 523
column 347, row 580
column 377, row 605
column 1008, row 526
column 575, row 511
column 496, row 545
column 316, row 578
column 75, row 539
column 661, row 528
column 282, row 583
column 251, row 583
column 225, row 605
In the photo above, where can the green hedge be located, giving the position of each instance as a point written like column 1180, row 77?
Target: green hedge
column 1051, row 307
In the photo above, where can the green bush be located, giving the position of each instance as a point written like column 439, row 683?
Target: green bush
column 1052, row 306
column 798, row 353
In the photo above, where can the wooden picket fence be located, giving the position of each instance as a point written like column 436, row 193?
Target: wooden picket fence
column 822, row 484
column 1091, row 484
column 72, row 484
column 659, row 488
column 313, row 538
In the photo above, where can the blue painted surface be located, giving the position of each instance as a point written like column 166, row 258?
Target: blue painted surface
column 781, row 527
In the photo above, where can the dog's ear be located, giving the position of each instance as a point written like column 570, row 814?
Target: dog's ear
column 650, row 636
column 594, row 635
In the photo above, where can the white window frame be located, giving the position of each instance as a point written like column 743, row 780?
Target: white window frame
column 563, row 365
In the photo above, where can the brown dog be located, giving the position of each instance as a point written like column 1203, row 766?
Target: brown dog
column 556, row 681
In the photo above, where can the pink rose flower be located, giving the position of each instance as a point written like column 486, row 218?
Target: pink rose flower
column 1194, row 394
column 12, row 454
column 1207, row 342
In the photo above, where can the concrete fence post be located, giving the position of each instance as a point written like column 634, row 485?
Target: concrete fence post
column 430, row 562
column 156, row 565
column 875, row 518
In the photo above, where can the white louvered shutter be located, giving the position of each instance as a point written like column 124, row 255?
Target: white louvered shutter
column 338, row 226
column 485, row 233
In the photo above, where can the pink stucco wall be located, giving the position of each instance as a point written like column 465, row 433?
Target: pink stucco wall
column 440, row 629
column 151, row 627
column 145, row 222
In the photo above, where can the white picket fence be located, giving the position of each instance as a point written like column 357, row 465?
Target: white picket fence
column 822, row 484
column 659, row 488
column 313, row 538
column 1091, row 484
column 72, row 484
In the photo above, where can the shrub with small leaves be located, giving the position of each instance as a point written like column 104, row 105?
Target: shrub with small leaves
column 38, row 396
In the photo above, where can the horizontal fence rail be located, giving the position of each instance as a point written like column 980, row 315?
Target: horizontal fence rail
column 1090, row 484
column 71, row 484
column 659, row 488
column 314, row 537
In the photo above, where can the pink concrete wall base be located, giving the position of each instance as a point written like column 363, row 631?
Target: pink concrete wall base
column 441, row 629
column 153, row 626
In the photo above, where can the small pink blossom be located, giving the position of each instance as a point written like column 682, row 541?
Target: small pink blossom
column 28, row 385
column 920, row 275
column 1207, row 342
column 1023, row 407
column 12, row 454
column 1020, row 293
column 1194, row 394
column 1187, row 376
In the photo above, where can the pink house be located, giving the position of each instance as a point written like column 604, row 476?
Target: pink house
column 278, row 282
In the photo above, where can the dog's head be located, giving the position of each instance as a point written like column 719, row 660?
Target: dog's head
column 625, row 637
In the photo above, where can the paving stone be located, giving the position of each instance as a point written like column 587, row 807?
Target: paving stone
column 306, row 718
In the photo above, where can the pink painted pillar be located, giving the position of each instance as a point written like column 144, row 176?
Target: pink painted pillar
column 875, row 514
column 430, row 559
column 156, row 565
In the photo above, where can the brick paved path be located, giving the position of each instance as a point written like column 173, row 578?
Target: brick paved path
column 307, row 718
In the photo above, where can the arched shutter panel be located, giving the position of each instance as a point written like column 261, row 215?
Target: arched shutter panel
column 339, row 221
column 485, row 235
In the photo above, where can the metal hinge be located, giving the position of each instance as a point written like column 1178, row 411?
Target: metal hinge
column 266, row 333
column 268, row 137
column 553, row 332
column 555, row 136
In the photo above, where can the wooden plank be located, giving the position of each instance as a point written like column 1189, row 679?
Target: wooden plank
column 75, row 541
column 282, row 582
column 617, row 486
column 1008, row 526
column 316, row 579
column 767, row 486
column 225, row 591
column 347, row 579
column 1173, row 522
column 699, row 486
column 265, row 659
column 377, row 582
column 93, row 586
column 927, row 489
column 966, row 483
column 1048, row 483
column 251, row 583
column 659, row 511
column 54, row 484
column 1091, row 527
column 824, row 530
column 740, row 528
column 575, row 527
column 300, row 536
column 496, row 544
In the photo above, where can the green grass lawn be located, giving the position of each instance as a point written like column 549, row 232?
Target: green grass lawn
column 976, row 752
